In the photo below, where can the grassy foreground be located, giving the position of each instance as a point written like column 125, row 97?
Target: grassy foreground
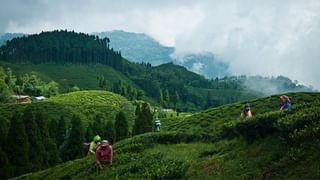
column 272, row 145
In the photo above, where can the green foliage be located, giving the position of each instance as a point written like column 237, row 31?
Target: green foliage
column 98, row 126
column 50, row 155
column 4, row 92
column 60, row 132
column 110, row 133
column 18, row 145
column 73, row 148
column 121, row 126
column 61, row 47
column 143, row 121
column 36, row 148
column 285, row 149
column 74, row 88
column 32, row 85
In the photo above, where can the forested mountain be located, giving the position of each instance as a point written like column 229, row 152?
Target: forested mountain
column 139, row 47
column 170, row 85
column 60, row 55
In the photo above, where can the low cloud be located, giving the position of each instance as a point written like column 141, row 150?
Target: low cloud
column 268, row 38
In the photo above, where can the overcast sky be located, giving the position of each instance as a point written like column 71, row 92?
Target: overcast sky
column 254, row 37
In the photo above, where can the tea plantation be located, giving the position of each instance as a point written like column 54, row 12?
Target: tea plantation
column 216, row 144
column 85, row 104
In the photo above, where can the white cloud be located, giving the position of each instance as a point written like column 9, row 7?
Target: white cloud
column 254, row 37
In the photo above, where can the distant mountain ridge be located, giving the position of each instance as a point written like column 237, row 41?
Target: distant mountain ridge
column 139, row 47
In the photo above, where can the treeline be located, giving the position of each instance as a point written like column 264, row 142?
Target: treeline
column 25, row 144
column 28, row 84
column 30, row 141
column 127, row 91
column 61, row 46
column 173, row 86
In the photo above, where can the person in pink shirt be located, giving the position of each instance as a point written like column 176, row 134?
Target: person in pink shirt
column 103, row 154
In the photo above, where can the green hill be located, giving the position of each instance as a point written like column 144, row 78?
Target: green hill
column 83, row 76
column 86, row 104
column 272, row 145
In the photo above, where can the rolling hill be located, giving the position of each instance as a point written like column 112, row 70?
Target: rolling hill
column 216, row 144
column 86, row 104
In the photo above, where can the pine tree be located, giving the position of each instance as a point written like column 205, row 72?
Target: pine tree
column 36, row 149
column 137, row 121
column 110, row 133
column 18, row 146
column 166, row 98
column 146, row 116
column 61, row 131
column 176, row 99
column 89, row 133
column 73, row 148
column 98, row 125
column 3, row 131
column 4, row 92
column 140, row 94
column 121, row 126
column 209, row 100
column 51, row 154
column 160, row 97
column 143, row 121
column 4, row 165
column 53, row 129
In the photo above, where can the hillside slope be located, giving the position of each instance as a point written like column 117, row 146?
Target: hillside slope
column 83, row 76
column 273, row 145
column 86, row 104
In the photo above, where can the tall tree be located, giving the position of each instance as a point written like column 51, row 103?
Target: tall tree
column 51, row 154
column 4, row 92
column 110, row 133
column 166, row 97
column 140, row 94
column 18, row 146
column 160, row 97
column 89, row 133
column 4, row 163
column 143, row 121
column 102, row 82
column 121, row 126
column 137, row 121
column 61, row 131
column 36, row 148
column 98, row 125
column 74, row 142
column 176, row 99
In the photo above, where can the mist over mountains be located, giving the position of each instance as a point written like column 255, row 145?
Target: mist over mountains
column 139, row 47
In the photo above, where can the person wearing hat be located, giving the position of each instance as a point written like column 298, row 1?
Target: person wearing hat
column 93, row 145
column 246, row 112
column 103, row 154
column 285, row 102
